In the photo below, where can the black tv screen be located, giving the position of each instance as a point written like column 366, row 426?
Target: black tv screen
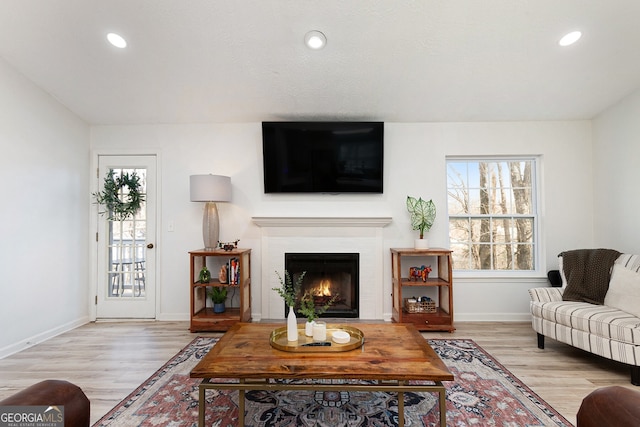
column 323, row 157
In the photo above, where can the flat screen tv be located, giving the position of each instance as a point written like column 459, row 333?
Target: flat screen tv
column 323, row 157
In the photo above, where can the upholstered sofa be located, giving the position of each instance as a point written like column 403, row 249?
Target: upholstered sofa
column 594, row 305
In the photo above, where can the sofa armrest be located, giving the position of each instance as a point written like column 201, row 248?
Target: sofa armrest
column 545, row 294
column 77, row 408
column 610, row 406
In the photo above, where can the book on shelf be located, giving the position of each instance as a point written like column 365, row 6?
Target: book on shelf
column 233, row 271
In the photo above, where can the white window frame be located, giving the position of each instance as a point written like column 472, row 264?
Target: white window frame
column 539, row 262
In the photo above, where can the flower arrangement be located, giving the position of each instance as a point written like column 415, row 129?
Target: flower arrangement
column 308, row 306
column 288, row 290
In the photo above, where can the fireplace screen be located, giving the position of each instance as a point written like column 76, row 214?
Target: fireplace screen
column 328, row 275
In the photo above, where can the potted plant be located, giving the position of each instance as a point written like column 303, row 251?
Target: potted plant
column 309, row 309
column 218, row 295
column 423, row 214
column 205, row 275
column 289, row 291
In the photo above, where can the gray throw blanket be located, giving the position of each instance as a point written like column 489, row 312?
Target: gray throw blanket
column 587, row 272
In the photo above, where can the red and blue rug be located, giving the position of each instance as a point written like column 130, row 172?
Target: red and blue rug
column 484, row 393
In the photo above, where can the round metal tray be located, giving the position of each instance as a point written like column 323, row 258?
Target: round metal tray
column 278, row 340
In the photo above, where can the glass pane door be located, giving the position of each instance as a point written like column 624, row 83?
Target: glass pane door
column 127, row 240
column 126, row 279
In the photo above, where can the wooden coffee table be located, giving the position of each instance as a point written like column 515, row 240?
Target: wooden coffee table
column 394, row 355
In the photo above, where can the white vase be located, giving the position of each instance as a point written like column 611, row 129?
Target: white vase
column 308, row 328
column 421, row 244
column 292, row 326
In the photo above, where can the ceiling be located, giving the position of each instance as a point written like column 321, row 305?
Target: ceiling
column 204, row 61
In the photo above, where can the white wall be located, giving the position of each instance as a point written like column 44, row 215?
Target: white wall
column 44, row 217
column 589, row 181
column 414, row 164
column 617, row 176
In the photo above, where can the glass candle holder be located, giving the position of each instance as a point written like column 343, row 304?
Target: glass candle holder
column 319, row 331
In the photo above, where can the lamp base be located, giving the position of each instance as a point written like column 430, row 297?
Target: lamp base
column 210, row 226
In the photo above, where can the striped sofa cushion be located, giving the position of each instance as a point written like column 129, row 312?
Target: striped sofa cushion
column 630, row 261
column 611, row 349
column 599, row 320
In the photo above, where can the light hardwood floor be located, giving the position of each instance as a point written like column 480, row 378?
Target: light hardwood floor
column 108, row 360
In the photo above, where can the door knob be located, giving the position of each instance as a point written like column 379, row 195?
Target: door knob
column 150, row 246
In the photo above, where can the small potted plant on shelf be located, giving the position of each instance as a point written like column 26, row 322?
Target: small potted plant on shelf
column 218, row 295
column 309, row 309
column 423, row 214
column 205, row 275
column 289, row 292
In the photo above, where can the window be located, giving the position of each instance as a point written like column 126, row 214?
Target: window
column 492, row 213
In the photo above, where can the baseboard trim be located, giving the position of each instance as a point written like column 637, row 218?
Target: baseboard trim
column 173, row 317
column 492, row 317
column 41, row 337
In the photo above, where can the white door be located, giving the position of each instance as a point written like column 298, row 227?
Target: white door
column 126, row 248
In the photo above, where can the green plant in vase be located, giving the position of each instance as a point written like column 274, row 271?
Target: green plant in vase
column 289, row 291
column 309, row 309
column 423, row 215
column 218, row 295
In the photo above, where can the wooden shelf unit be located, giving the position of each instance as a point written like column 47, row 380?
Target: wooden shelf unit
column 202, row 317
column 439, row 283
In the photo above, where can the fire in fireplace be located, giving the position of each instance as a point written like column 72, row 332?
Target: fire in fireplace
column 328, row 275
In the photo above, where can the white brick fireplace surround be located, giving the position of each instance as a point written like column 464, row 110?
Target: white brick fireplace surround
column 361, row 235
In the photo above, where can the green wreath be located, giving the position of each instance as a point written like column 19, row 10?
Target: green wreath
column 120, row 204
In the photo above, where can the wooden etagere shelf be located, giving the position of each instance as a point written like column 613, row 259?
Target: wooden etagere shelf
column 202, row 317
column 425, row 317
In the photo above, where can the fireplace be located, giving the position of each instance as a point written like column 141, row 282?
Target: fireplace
column 328, row 275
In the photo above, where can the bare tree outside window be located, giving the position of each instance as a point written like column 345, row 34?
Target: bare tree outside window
column 492, row 216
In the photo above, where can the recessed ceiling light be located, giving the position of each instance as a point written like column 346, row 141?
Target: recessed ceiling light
column 570, row 38
column 117, row 40
column 315, row 40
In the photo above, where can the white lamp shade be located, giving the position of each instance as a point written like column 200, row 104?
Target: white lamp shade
column 210, row 188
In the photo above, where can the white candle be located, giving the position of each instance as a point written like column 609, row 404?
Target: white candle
column 341, row 337
column 319, row 331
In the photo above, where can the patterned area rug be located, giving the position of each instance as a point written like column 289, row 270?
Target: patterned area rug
column 483, row 394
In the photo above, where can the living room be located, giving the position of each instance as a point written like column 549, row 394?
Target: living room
column 50, row 153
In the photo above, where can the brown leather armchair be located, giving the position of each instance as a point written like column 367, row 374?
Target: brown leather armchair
column 55, row 393
column 613, row 406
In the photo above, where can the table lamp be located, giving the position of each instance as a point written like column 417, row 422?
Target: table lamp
column 210, row 189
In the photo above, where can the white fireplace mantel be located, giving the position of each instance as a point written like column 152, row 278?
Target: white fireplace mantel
column 287, row 221
column 363, row 235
